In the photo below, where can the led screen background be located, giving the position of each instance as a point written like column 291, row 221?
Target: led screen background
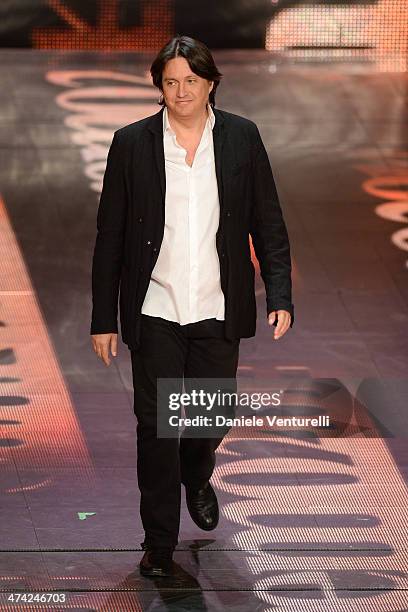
column 375, row 27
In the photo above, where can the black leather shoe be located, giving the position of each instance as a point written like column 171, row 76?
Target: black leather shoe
column 203, row 506
column 157, row 562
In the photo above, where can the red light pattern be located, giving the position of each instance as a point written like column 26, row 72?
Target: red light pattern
column 155, row 29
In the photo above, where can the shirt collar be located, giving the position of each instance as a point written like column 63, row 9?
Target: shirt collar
column 167, row 126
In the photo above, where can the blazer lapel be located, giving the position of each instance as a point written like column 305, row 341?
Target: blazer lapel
column 156, row 127
column 218, row 140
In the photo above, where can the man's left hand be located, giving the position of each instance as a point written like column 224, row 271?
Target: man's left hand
column 283, row 322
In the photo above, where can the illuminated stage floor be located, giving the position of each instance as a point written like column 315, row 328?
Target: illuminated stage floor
column 307, row 523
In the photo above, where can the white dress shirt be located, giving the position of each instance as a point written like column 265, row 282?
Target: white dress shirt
column 185, row 283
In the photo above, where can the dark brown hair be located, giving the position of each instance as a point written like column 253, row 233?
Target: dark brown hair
column 199, row 59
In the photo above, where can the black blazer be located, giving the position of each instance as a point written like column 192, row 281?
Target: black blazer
column 130, row 224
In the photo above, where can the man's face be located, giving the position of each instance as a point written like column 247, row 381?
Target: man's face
column 185, row 93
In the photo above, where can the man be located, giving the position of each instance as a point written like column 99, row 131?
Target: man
column 183, row 190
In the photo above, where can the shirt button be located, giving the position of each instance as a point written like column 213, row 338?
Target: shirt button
column 154, row 249
column 140, row 219
column 148, row 242
column 228, row 214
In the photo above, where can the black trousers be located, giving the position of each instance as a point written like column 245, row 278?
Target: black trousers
column 169, row 350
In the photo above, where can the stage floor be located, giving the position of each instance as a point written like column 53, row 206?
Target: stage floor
column 308, row 522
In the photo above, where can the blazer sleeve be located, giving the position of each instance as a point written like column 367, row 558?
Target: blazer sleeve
column 108, row 251
column 269, row 234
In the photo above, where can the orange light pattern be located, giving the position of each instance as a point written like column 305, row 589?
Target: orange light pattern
column 378, row 32
column 39, row 419
column 156, row 28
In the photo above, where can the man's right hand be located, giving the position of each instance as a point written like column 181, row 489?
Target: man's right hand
column 101, row 345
